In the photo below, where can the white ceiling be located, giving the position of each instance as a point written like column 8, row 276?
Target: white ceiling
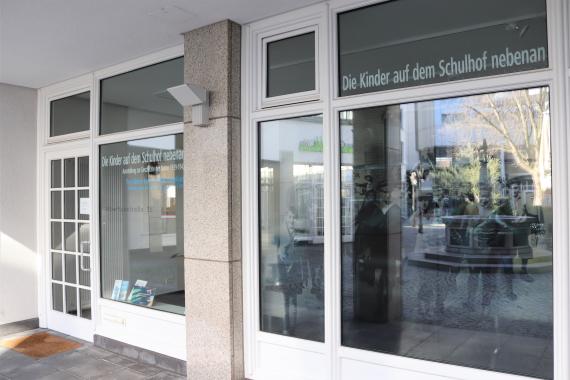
column 47, row 41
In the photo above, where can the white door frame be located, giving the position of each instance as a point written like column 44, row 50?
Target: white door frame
column 72, row 325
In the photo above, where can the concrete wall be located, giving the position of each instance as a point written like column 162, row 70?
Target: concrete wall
column 18, row 272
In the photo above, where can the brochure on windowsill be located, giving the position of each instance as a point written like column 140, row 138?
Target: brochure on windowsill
column 120, row 290
column 141, row 295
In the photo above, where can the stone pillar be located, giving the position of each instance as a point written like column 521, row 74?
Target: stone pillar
column 212, row 207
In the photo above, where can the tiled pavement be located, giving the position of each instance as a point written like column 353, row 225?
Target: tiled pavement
column 86, row 362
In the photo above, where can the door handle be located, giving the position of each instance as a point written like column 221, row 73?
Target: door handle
column 84, row 244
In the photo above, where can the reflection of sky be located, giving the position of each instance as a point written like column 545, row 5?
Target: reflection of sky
column 454, row 135
column 163, row 142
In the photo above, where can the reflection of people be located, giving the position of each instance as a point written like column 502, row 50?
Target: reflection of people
column 377, row 220
column 470, row 207
column 290, row 272
column 490, row 234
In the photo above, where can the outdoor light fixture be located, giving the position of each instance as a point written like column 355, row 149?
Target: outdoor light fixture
column 195, row 96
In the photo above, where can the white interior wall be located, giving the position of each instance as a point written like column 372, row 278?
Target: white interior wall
column 18, row 269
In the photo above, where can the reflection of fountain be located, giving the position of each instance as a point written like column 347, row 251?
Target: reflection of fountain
column 479, row 241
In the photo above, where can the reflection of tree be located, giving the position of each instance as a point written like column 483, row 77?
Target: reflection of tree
column 463, row 176
column 519, row 120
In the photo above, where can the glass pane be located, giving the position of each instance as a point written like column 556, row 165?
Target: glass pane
column 83, row 204
column 69, row 204
column 56, row 236
column 71, row 269
column 139, row 98
column 56, row 173
column 71, row 300
column 291, row 228
column 291, row 65
column 56, row 204
column 56, row 266
column 85, row 300
column 57, row 297
column 69, row 172
column 84, row 275
column 142, row 228
column 447, row 252
column 70, row 115
column 83, row 171
column 69, row 236
column 377, row 51
column 84, row 238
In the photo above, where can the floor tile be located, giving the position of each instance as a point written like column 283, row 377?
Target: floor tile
column 120, row 360
column 60, row 375
column 92, row 368
column 11, row 361
column 167, row 376
column 33, row 371
column 128, row 374
column 145, row 369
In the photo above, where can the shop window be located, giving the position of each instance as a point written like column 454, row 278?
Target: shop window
column 70, row 115
column 142, row 250
column 291, row 227
column 139, row 98
column 291, row 65
column 377, row 51
column 449, row 257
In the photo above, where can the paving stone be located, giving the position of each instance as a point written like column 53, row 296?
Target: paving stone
column 11, row 361
column 167, row 376
column 127, row 374
column 32, row 372
column 59, row 375
column 94, row 368
column 120, row 360
column 145, row 369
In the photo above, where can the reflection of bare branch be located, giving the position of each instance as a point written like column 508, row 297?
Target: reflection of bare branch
column 523, row 120
column 521, row 160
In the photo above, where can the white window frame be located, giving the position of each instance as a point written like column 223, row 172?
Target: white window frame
column 264, row 352
column 117, row 320
column 311, row 20
column 164, row 332
column 61, row 91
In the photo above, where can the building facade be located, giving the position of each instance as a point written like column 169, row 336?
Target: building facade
column 367, row 190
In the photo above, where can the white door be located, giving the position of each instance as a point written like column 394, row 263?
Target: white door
column 69, row 275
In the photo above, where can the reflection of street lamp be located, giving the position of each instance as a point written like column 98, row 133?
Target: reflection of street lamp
column 416, row 177
column 484, row 187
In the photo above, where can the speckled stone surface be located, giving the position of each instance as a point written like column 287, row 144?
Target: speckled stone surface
column 212, row 208
column 213, row 327
column 212, row 60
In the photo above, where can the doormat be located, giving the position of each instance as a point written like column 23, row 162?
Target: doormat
column 40, row 345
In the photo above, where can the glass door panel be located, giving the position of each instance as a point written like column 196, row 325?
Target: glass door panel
column 70, row 237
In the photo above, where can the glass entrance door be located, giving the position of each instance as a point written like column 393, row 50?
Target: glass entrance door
column 70, row 301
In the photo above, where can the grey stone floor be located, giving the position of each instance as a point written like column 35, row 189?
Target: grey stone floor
column 86, row 362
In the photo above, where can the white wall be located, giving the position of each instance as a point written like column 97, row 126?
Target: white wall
column 18, row 272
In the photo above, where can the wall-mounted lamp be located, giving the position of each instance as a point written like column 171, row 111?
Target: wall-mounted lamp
column 195, row 96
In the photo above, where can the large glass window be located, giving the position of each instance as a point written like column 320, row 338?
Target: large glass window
column 139, row 98
column 142, row 246
column 292, row 227
column 70, row 114
column 449, row 252
column 405, row 43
